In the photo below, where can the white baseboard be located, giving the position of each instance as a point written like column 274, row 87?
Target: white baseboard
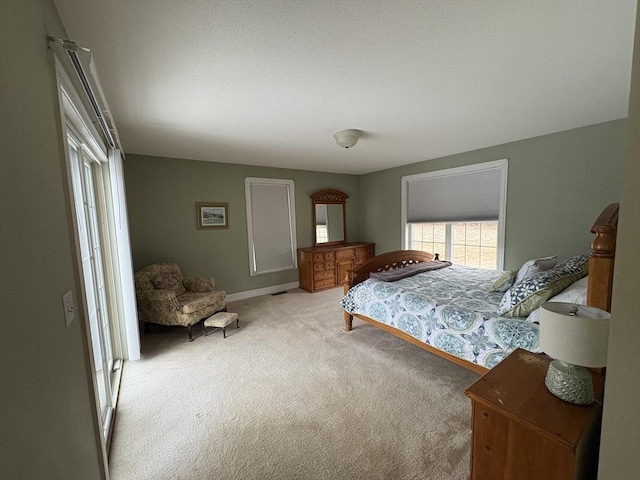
column 261, row 291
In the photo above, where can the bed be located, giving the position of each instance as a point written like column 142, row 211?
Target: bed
column 450, row 310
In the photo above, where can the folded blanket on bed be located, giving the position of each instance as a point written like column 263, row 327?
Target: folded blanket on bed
column 404, row 272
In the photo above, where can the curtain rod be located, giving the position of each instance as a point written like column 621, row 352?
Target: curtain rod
column 71, row 48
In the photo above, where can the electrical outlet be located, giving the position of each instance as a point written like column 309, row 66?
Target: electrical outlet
column 69, row 308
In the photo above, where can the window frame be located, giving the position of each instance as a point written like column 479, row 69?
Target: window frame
column 502, row 165
column 77, row 130
column 289, row 185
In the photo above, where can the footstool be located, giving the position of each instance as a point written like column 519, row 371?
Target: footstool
column 221, row 320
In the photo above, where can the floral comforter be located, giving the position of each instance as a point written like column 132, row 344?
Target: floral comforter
column 451, row 309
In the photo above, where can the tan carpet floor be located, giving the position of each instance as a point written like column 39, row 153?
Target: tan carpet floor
column 290, row 395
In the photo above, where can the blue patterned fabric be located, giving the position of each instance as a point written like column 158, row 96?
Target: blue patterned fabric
column 525, row 296
column 576, row 264
column 452, row 309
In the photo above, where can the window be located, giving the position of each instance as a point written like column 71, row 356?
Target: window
column 322, row 223
column 96, row 189
column 474, row 244
column 458, row 213
column 429, row 237
column 271, row 225
column 322, row 234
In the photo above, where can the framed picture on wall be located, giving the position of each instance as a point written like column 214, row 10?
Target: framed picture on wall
column 212, row 215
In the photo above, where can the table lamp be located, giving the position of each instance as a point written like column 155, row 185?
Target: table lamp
column 576, row 336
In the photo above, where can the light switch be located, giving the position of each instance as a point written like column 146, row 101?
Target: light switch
column 69, row 308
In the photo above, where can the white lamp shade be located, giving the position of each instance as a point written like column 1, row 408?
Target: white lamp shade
column 575, row 334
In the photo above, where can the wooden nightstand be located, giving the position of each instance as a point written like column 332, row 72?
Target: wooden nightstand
column 522, row 431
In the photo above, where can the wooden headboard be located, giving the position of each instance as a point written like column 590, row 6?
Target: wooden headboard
column 387, row 261
column 603, row 251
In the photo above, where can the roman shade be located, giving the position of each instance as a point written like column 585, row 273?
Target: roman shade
column 271, row 224
column 465, row 194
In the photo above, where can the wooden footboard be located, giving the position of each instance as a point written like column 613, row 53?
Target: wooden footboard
column 389, row 261
column 382, row 263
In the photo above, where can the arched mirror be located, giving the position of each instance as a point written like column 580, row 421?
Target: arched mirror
column 329, row 225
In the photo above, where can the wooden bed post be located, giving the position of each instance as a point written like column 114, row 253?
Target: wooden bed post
column 348, row 318
column 602, row 259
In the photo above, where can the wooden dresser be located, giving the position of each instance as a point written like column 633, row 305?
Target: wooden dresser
column 327, row 267
column 521, row 431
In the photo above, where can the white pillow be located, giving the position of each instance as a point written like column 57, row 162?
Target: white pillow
column 575, row 293
column 535, row 265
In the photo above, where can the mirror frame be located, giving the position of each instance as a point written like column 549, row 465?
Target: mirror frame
column 334, row 197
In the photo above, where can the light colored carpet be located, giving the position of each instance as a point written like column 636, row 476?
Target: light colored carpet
column 290, row 395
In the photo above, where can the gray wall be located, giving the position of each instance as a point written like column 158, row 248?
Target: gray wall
column 48, row 423
column 552, row 200
column 550, row 189
column 161, row 197
column 619, row 457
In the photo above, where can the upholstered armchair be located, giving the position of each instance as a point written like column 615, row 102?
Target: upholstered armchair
column 165, row 298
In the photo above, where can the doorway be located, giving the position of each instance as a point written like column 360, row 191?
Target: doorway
column 89, row 201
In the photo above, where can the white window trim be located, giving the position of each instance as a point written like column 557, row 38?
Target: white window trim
column 289, row 184
column 75, row 116
column 502, row 215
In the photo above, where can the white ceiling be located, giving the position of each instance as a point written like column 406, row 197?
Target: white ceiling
column 267, row 82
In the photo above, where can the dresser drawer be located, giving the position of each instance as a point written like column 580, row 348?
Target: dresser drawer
column 318, row 257
column 363, row 254
column 318, row 266
column 328, row 282
column 343, row 254
column 323, row 274
column 365, row 251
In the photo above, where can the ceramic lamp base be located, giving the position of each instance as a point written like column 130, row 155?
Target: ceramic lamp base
column 570, row 383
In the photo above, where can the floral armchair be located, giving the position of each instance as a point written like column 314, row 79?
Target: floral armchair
column 165, row 298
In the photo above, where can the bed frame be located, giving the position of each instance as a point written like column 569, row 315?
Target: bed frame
column 598, row 291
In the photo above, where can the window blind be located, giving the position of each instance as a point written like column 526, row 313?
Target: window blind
column 455, row 195
column 271, row 225
column 321, row 214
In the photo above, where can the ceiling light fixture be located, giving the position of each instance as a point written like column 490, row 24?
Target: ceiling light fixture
column 347, row 138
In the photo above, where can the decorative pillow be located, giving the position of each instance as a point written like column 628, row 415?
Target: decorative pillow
column 525, row 296
column 404, row 272
column 504, row 281
column 199, row 284
column 578, row 263
column 534, row 266
column 575, row 293
column 169, row 282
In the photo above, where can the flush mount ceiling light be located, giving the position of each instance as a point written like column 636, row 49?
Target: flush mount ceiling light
column 347, row 138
